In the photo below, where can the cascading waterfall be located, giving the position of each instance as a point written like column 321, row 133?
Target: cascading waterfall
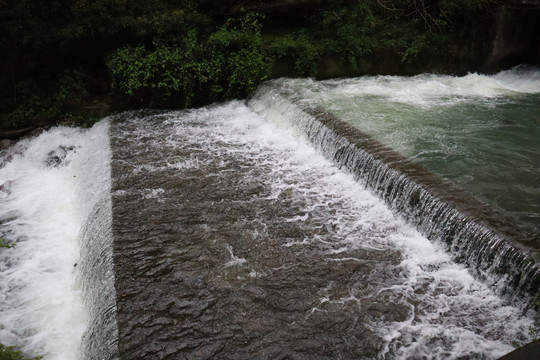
column 235, row 240
column 97, row 273
column 56, row 280
column 479, row 132
column 218, row 233
column 467, row 227
column 96, row 267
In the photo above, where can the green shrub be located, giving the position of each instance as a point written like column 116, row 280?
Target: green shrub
column 155, row 76
column 228, row 64
column 237, row 63
column 44, row 97
column 9, row 353
column 302, row 49
column 4, row 244
column 351, row 32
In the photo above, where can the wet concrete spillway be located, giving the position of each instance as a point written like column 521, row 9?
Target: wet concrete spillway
column 367, row 218
column 233, row 240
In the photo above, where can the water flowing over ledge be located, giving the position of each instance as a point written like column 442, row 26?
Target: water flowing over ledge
column 97, row 275
column 471, row 231
column 235, row 240
column 56, row 292
column 212, row 233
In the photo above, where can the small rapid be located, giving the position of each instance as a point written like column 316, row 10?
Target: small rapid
column 261, row 229
column 495, row 246
column 49, row 187
column 234, row 240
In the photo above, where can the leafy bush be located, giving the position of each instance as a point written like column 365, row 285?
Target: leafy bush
column 354, row 31
column 5, row 245
column 302, row 49
column 9, row 353
column 228, row 64
column 237, row 63
column 44, row 97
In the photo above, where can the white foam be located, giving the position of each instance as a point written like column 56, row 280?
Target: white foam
column 47, row 188
column 451, row 314
column 235, row 260
column 153, row 193
column 521, row 79
column 423, row 90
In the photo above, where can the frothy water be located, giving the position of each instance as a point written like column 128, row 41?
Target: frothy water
column 222, row 233
column 264, row 248
column 424, row 91
column 47, row 190
column 481, row 132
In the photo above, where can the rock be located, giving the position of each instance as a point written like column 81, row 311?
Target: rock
column 527, row 352
column 15, row 134
column 5, row 143
column 516, row 37
column 99, row 108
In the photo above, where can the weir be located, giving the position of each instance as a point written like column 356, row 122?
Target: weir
column 473, row 232
column 219, row 233
column 234, row 240
column 97, row 279
column 96, row 273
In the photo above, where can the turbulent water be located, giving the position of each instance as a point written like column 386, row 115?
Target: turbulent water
column 48, row 188
column 235, row 240
column 221, row 233
column 482, row 132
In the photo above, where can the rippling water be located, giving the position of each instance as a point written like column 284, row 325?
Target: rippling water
column 226, row 236
column 236, row 240
column 482, row 132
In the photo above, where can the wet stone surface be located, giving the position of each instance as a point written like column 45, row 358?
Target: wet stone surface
column 217, row 256
column 232, row 240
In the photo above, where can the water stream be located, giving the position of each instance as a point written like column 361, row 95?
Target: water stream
column 261, row 230
column 481, row 132
column 49, row 188
column 243, row 241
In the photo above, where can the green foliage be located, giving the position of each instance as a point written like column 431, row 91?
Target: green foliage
column 360, row 32
column 228, row 64
column 302, row 49
column 44, row 97
column 180, row 53
column 418, row 32
column 237, row 63
column 5, row 245
column 32, row 23
column 439, row 16
column 9, row 353
column 534, row 331
column 143, row 19
column 351, row 31
column 415, row 49
column 128, row 67
column 160, row 73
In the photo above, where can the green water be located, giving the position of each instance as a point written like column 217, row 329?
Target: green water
column 481, row 132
